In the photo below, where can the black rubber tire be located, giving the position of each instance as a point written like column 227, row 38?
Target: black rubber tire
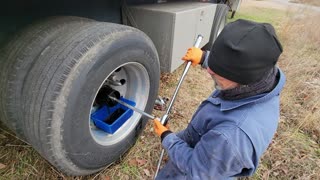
column 18, row 57
column 220, row 20
column 61, row 84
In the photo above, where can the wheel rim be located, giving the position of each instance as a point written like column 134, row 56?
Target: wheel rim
column 136, row 88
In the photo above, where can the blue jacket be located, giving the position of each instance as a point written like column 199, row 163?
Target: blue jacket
column 224, row 138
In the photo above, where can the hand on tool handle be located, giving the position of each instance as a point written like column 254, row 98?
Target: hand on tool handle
column 195, row 55
column 160, row 129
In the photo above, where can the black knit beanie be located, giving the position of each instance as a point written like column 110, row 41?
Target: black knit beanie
column 244, row 51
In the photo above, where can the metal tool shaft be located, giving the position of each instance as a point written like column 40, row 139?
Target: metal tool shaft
column 164, row 118
column 132, row 107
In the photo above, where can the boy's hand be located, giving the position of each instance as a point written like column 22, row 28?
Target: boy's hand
column 194, row 55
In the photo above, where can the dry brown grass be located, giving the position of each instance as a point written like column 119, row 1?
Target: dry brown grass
column 294, row 152
column 309, row 2
column 301, row 62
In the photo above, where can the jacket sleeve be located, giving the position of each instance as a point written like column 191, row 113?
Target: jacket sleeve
column 213, row 156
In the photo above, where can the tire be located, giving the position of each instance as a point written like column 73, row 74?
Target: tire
column 220, row 20
column 60, row 90
column 18, row 57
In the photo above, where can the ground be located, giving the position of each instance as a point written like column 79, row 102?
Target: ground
column 295, row 150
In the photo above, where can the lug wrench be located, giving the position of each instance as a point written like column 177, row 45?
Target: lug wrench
column 164, row 118
column 133, row 108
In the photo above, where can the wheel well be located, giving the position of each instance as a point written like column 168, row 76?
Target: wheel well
column 16, row 14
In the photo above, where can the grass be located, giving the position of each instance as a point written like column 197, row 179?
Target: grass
column 294, row 152
column 261, row 14
column 309, row 2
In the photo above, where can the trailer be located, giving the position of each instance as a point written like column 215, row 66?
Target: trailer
column 60, row 60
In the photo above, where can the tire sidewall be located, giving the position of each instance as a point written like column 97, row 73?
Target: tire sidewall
column 97, row 64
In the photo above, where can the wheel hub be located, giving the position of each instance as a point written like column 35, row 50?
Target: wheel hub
column 129, row 81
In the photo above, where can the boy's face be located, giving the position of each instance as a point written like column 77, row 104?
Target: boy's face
column 221, row 83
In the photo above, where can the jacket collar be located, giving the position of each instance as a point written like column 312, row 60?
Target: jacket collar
column 229, row 105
